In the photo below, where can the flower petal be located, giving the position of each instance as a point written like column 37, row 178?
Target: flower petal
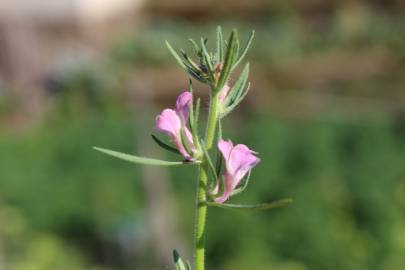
column 241, row 160
column 183, row 105
column 169, row 122
column 228, row 188
column 225, row 147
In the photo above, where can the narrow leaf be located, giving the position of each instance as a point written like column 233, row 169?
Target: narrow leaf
column 207, row 60
column 185, row 141
column 245, row 50
column 191, row 106
column 196, row 75
column 220, row 45
column 195, row 46
column 206, row 55
column 236, row 103
column 192, row 119
column 219, row 129
column 188, row 265
column 261, row 206
column 141, row 160
column 164, row 145
column 175, row 55
column 178, row 261
column 210, row 164
column 189, row 62
column 197, row 110
column 239, row 85
column 218, row 165
column 229, row 60
column 242, row 94
column 194, row 125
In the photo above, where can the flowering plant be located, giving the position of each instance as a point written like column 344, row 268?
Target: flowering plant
column 231, row 173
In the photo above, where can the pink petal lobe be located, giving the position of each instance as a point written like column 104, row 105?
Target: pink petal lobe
column 168, row 122
column 241, row 161
column 183, row 105
column 226, row 148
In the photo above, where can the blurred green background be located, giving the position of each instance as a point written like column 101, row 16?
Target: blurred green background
column 326, row 112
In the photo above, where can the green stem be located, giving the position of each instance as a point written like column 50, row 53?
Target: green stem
column 201, row 207
column 212, row 121
column 200, row 219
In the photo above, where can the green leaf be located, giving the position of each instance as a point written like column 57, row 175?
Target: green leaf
column 193, row 117
column 175, row 55
column 191, row 106
column 219, row 129
column 229, row 60
column 207, row 60
column 164, row 145
column 185, row 142
column 194, row 124
column 220, row 45
column 238, row 86
column 211, row 165
column 196, row 75
column 195, row 46
column 189, row 62
column 188, row 265
column 142, row 160
column 245, row 50
column 206, row 55
column 178, row 261
column 261, row 206
column 236, row 102
column 219, row 161
column 197, row 111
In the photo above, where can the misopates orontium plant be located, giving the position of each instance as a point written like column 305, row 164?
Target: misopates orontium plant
column 229, row 175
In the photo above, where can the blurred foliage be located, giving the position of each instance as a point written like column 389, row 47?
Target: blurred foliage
column 65, row 206
column 63, row 203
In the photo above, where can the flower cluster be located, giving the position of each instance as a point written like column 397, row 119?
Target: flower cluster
column 239, row 159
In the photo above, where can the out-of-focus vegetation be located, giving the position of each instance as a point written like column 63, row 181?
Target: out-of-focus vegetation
column 64, row 206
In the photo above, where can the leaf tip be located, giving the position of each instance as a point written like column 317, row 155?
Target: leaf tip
column 176, row 256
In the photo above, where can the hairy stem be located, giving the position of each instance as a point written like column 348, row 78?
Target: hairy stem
column 201, row 207
column 201, row 215
column 212, row 121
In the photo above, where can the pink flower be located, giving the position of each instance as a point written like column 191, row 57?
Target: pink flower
column 239, row 160
column 224, row 93
column 172, row 121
